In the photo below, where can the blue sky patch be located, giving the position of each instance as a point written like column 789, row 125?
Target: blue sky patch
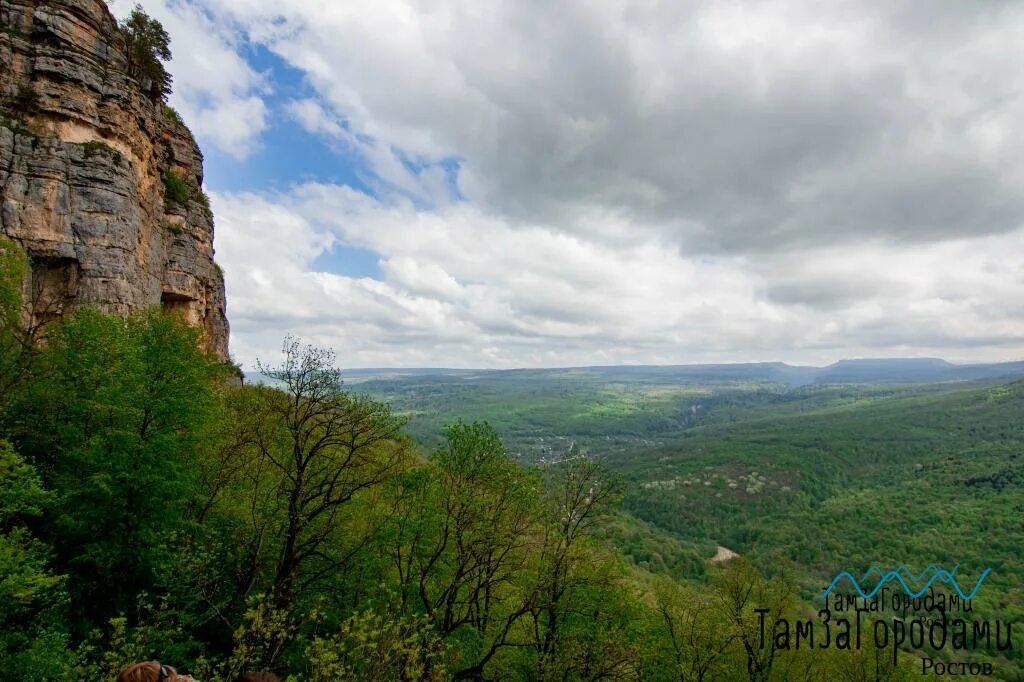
column 349, row 261
column 287, row 153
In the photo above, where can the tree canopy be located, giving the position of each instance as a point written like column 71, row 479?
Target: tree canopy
column 147, row 46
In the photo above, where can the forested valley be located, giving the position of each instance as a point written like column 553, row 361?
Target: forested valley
column 163, row 506
column 155, row 507
column 151, row 506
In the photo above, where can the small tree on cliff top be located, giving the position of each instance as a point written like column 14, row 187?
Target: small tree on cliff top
column 147, row 47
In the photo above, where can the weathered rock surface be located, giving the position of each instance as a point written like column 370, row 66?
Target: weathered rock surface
column 83, row 159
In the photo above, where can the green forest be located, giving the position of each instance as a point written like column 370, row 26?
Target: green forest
column 807, row 480
column 152, row 506
column 633, row 523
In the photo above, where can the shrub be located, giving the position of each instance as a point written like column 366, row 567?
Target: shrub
column 203, row 199
column 372, row 646
column 96, row 148
column 176, row 190
column 30, row 641
column 172, row 115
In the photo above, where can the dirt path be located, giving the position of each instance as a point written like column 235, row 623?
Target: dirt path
column 724, row 554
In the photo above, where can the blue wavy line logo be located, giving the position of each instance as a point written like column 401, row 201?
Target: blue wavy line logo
column 896, row 575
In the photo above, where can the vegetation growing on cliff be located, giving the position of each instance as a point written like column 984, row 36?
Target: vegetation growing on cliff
column 172, row 115
column 147, row 46
column 176, row 190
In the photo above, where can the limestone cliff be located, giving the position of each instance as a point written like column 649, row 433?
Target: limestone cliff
column 99, row 182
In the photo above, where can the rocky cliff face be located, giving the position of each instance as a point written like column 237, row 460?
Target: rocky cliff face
column 98, row 182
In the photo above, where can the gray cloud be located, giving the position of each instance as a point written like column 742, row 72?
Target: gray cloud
column 723, row 127
column 466, row 288
column 644, row 182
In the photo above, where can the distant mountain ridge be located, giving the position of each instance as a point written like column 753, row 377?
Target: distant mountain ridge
column 847, row 371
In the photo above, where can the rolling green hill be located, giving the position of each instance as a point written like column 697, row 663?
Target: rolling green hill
column 815, row 478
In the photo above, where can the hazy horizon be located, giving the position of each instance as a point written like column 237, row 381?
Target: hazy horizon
column 852, row 360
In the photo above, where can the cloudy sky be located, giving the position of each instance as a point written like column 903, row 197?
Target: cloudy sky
column 526, row 183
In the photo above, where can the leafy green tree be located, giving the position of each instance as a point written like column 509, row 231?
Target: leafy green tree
column 699, row 634
column 114, row 415
column 374, row 646
column 739, row 590
column 579, row 492
column 15, row 342
column 323, row 447
column 282, row 495
column 147, row 46
column 32, row 641
column 464, row 529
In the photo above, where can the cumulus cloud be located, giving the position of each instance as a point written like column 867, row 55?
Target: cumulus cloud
column 728, row 126
column 609, row 181
column 464, row 288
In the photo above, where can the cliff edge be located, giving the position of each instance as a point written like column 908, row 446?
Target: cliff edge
column 99, row 181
